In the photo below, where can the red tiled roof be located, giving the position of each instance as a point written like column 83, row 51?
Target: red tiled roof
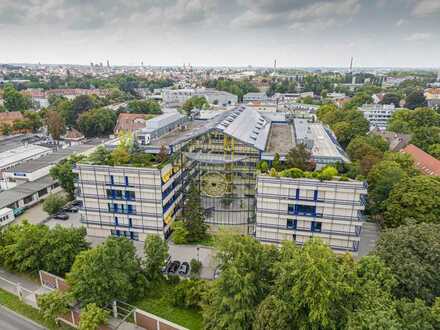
column 10, row 117
column 130, row 122
column 423, row 161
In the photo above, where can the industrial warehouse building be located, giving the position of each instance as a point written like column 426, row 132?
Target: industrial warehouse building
column 220, row 155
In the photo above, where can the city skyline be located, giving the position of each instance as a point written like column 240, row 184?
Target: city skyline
column 394, row 33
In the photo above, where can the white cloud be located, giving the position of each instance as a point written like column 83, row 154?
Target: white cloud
column 419, row 36
column 426, row 8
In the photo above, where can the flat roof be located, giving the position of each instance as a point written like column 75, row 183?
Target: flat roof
column 281, row 139
column 324, row 146
column 50, row 159
column 20, row 153
column 21, row 191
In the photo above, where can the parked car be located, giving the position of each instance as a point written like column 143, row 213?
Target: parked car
column 61, row 216
column 72, row 209
column 184, row 268
column 76, row 203
column 174, row 267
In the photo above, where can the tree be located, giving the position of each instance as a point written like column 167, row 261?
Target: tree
column 368, row 150
column 107, row 272
column 196, row 268
column 415, row 100
column 381, row 180
column 120, row 156
column 155, row 256
column 180, row 233
column 92, row 317
column 30, row 248
column 194, row 102
column 413, row 254
column 82, row 103
column 63, row 173
column 53, row 204
column 189, row 294
column 391, row 99
column 97, row 122
column 413, row 200
column 434, row 150
column 276, row 163
column 34, row 120
column 14, row 100
column 163, row 154
column 300, row 157
column 243, row 283
column 53, row 305
column 346, row 124
column 63, row 245
column 144, row 106
column 55, row 124
column 194, row 215
column 101, row 156
column 23, row 248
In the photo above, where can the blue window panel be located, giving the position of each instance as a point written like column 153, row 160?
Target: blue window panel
column 315, row 195
column 113, row 194
column 122, row 208
column 112, row 179
column 127, row 195
column 291, row 209
column 129, row 209
column 115, row 208
column 118, row 233
column 130, row 222
column 292, row 224
column 131, row 235
column 109, row 205
column 116, row 221
column 126, row 180
column 308, row 210
column 316, row 226
column 297, row 194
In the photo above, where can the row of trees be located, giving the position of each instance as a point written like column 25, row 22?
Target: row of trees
column 238, row 88
column 261, row 287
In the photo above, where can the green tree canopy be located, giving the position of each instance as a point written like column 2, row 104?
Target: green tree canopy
column 144, row 106
column 107, row 272
column 195, row 102
column 14, row 100
column 194, row 215
column 155, row 255
column 413, row 200
column 301, row 158
column 415, row 100
column 53, row 203
column 92, row 317
column 413, row 254
column 97, row 122
column 63, row 173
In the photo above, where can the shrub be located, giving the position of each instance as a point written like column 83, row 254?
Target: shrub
column 53, row 204
column 53, row 305
column 92, row 316
column 180, row 233
column 189, row 294
column 196, row 267
column 173, row 279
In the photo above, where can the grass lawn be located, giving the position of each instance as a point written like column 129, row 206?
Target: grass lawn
column 157, row 303
column 12, row 302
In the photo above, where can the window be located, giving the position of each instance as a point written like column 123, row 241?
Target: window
column 117, row 194
column 294, row 237
column 297, row 194
column 112, row 179
column 305, row 210
column 28, row 199
column 291, row 224
column 130, row 222
column 316, row 226
column 116, row 221
column 130, row 209
column 130, row 195
column 315, row 195
column 126, row 180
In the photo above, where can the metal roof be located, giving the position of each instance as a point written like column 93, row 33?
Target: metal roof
column 246, row 125
column 214, row 158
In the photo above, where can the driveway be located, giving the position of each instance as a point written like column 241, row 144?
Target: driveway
column 369, row 236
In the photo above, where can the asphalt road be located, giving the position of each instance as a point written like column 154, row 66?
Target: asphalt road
column 10, row 321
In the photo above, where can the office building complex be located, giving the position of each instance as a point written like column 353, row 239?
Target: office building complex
column 298, row 209
column 219, row 155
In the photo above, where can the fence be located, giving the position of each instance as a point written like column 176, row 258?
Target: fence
column 121, row 313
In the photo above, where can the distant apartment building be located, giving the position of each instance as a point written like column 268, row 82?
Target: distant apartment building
column 255, row 97
column 178, row 97
column 126, row 201
column 298, row 209
column 378, row 115
column 433, row 97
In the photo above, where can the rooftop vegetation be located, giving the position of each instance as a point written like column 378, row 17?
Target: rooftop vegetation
column 127, row 153
column 328, row 173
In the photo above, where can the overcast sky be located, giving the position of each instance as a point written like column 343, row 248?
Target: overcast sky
column 399, row 33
